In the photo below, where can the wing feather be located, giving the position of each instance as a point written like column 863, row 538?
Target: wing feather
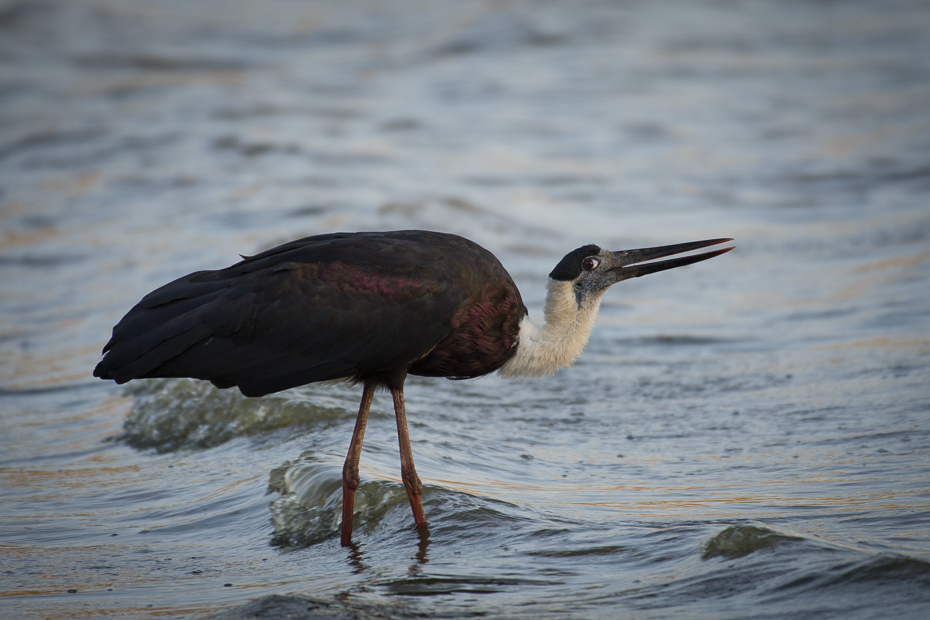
column 328, row 307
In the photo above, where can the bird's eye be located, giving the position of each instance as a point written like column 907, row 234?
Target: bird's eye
column 590, row 263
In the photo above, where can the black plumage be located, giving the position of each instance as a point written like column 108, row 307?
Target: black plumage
column 355, row 306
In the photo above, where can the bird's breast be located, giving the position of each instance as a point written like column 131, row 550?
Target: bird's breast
column 482, row 337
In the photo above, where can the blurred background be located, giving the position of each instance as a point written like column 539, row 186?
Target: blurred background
column 742, row 438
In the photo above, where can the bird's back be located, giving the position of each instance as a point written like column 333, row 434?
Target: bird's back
column 356, row 306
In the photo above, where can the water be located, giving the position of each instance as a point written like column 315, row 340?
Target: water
column 744, row 438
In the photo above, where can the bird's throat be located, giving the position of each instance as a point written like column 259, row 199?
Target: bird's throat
column 557, row 343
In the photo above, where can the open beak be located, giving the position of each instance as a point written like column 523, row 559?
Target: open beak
column 629, row 263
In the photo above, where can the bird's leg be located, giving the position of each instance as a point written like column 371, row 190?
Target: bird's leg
column 350, row 476
column 407, row 471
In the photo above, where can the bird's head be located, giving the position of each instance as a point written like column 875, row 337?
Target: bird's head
column 576, row 287
column 590, row 270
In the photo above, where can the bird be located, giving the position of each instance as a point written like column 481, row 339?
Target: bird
column 371, row 308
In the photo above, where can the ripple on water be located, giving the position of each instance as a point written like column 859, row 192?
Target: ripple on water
column 309, row 509
column 740, row 540
column 747, row 562
column 176, row 414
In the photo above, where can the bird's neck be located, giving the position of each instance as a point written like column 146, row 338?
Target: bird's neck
column 557, row 343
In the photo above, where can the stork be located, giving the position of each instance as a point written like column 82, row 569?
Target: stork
column 370, row 308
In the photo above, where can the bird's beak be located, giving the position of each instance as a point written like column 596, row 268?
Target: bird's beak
column 626, row 264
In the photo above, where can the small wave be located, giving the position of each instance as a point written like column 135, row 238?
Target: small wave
column 882, row 585
column 40, row 261
column 740, row 540
column 470, row 584
column 309, row 510
column 157, row 62
column 175, row 414
column 910, row 577
column 582, row 552
column 794, row 574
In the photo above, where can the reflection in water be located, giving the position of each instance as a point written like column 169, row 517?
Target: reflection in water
column 422, row 547
column 356, row 557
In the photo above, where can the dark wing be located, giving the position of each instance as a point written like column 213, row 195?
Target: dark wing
column 321, row 308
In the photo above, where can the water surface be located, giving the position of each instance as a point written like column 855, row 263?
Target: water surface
column 743, row 438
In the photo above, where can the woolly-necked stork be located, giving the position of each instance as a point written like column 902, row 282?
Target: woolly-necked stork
column 370, row 308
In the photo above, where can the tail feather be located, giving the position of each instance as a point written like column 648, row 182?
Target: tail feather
column 139, row 357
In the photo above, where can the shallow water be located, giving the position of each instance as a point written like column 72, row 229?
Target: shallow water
column 747, row 437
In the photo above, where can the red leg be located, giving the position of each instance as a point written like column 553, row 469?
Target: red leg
column 350, row 477
column 407, row 471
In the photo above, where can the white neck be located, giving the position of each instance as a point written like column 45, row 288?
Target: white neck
column 541, row 350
